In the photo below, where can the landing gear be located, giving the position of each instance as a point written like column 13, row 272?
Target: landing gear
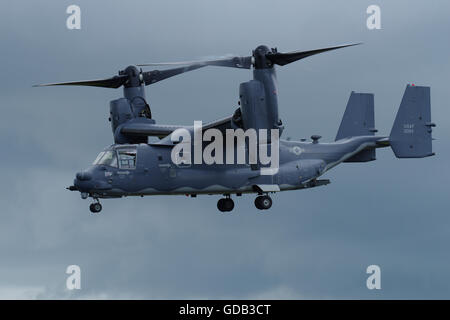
column 263, row 202
column 95, row 207
column 225, row 204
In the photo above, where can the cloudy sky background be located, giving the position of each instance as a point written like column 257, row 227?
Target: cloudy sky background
column 311, row 244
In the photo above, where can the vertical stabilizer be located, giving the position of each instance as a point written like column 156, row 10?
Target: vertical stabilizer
column 359, row 117
column 411, row 133
column 359, row 120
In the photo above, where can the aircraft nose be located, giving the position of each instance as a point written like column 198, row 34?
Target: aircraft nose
column 89, row 180
column 84, row 176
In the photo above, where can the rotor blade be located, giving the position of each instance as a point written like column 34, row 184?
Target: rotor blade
column 114, row 82
column 232, row 62
column 179, row 63
column 288, row 57
column 150, row 77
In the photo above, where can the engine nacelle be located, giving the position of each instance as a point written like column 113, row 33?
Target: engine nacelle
column 121, row 111
column 256, row 113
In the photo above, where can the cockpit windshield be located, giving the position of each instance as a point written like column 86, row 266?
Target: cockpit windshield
column 107, row 158
column 100, row 155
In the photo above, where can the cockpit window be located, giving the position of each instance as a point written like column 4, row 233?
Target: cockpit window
column 127, row 158
column 107, row 158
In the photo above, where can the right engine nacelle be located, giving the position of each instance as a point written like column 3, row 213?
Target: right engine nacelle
column 256, row 113
column 253, row 106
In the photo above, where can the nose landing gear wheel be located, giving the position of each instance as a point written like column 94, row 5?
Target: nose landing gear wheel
column 95, row 207
column 263, row 202
column 225, row 204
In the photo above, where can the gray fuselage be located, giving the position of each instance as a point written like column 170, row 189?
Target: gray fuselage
column 154, row 173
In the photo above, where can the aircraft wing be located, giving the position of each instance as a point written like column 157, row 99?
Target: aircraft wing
column 148, row 129
column 221, row 124
column 144, row 128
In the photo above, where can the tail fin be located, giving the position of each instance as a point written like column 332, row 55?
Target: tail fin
column 411, row 133
column 359, row 120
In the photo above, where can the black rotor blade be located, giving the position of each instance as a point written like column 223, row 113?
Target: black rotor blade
column 232, row 62
column 114, row 82
column 150, row 77
column 282, row 59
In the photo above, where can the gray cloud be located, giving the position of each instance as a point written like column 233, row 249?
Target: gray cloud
column 312, row 244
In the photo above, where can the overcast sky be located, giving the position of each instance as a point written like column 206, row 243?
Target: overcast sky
column 311, row 244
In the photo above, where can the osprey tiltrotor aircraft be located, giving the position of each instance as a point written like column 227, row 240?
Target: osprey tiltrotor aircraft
column 133, row 166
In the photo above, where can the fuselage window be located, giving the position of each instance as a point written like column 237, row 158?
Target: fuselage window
column 127, row 158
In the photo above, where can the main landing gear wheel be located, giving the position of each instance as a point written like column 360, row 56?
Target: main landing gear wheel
column 263, row 202
column 95, row 207
column 225, row 204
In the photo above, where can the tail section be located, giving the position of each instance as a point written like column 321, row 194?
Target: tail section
column 359, row 120
column 359, row 117
column 411, row 133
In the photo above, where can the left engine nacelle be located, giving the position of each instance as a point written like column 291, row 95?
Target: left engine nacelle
column 121, row 111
